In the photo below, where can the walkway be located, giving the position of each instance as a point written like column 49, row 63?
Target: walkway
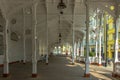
column 59, row 68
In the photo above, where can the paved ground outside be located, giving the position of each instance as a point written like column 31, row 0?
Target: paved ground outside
column 59, row 68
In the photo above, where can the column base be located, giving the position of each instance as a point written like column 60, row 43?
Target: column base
column 115, row 75
column 73, row 63
column 94, row 63
column 87, row 75
column 34, row 75
column 24, row 63
column 6, row 75
column 46, row 63
column 99, row 64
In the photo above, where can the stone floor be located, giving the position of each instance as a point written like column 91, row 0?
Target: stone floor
column 59, row 68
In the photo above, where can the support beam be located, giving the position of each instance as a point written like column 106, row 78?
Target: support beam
column 6, row 57
column 87, row 62
column 34, row 37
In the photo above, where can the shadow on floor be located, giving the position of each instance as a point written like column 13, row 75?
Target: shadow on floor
column 59, row 68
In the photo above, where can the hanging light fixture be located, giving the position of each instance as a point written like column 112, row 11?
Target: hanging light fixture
column 61, row 5
column 60, row 35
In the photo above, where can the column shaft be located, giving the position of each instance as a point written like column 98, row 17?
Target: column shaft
column 96, row 49
column 99, row 62
column 47, row 42
column 24, row 37
column 73, row 35
column 87, row 74
column 6, row 59
column 34, row 37
column 73, row 49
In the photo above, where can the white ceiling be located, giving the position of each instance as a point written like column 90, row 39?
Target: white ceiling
column 73, row 16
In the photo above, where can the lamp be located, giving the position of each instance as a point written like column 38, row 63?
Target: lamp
column 61, row 5
column 60, row 35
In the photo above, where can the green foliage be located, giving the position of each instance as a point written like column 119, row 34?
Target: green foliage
column 91, row 54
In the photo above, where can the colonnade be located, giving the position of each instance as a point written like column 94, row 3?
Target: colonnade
column 76, row 46
column 34, row 44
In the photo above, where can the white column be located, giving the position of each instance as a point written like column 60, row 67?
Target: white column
column 47, row 43
column 116, row 22
column 116, row 45
column 6, row 59
column 34, row 37
column 87, row 62
column 24, row 37
column 75, row 48
column 96, row 32
column 82, row 49
column 116, row 25
column 96, row 48
column 78, row 46
column 73, row 37
column 99, row 57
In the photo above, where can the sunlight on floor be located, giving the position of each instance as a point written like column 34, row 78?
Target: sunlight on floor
column 101, row 76
column 70, row 65
column 96, row 71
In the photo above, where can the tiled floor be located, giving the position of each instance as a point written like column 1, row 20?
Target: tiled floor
column 59, row 68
